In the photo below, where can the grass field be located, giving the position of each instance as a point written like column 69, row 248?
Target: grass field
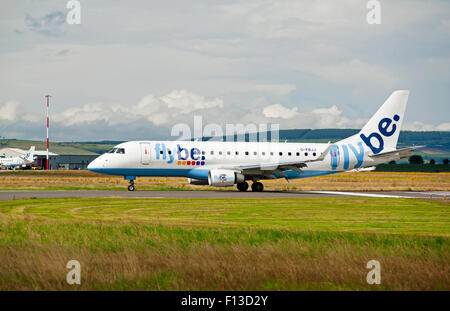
column 86, row 180
column 225, row 244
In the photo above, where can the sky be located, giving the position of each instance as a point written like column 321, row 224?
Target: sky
column 133, row 69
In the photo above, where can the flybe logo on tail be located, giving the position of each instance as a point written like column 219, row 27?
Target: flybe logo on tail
column 383, row 128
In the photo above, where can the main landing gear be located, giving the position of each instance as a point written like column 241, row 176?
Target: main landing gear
column 131, row 180
column 256, row 186
column 242, row 186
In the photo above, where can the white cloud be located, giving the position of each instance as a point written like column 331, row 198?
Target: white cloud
column 8, row 111
column 317, row 118
column 278, row 111
column 158, row 110
column 186, row 102
column 443, row 127
column 84, row 114
column 420, row 126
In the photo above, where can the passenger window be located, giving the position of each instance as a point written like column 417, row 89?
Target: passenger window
column 220, row 152
column 289, row 154
column 314, row 154
column 297, row 154
column 246, row 153
column 255, row 153
column 306, row 154
column 281, row 153
column 228, row 152
column 237, row 152
column 212, row 152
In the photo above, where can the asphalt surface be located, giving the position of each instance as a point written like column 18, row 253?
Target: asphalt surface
column 12, row 195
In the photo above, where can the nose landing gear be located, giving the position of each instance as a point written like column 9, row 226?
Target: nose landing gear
column 131, row 180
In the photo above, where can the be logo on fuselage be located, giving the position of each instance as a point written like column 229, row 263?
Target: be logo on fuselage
column 193, row 155
column 383, row 128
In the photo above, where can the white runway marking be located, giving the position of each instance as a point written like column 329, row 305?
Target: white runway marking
column 359, row 194
column 439, row 193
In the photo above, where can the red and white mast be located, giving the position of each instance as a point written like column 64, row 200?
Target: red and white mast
column 48, row 98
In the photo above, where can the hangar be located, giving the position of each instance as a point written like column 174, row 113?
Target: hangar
column 69, row 160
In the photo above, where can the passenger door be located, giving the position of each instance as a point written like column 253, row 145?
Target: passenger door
column 145, row 153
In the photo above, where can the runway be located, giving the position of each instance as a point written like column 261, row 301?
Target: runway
column 14, row 195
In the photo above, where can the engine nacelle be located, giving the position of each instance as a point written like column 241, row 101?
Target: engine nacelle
column 194, row 181
column 224, row 178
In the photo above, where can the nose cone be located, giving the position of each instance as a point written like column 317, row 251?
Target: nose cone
column 94, row 165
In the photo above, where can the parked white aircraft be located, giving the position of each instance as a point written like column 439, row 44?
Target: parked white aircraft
column 223, row 164
column 19, row 161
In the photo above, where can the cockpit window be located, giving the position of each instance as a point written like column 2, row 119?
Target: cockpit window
column 112, row 150
column 120, row 150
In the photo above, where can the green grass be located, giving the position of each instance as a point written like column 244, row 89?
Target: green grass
column 220, row 244
column 381, row 215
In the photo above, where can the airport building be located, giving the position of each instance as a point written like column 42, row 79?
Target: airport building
column 67, row 160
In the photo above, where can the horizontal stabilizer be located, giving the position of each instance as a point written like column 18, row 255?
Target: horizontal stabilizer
column 401, row 153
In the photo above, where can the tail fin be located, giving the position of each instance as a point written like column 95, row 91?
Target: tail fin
column 382, row 130
column 30, row 155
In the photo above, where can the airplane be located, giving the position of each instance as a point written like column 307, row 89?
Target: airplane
column 19, row 161
column 225, row 164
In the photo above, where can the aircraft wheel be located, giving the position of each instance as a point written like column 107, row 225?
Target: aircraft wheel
column 131, row 188
column 242, row 186
column 257, row 187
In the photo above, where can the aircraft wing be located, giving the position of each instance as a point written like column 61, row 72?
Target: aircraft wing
column 270, row 168
column 401, row 153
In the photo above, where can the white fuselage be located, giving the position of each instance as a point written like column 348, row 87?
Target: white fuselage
column 194, row 159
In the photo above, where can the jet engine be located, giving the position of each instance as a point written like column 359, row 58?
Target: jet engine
column 193, row 181
column 224, row 178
